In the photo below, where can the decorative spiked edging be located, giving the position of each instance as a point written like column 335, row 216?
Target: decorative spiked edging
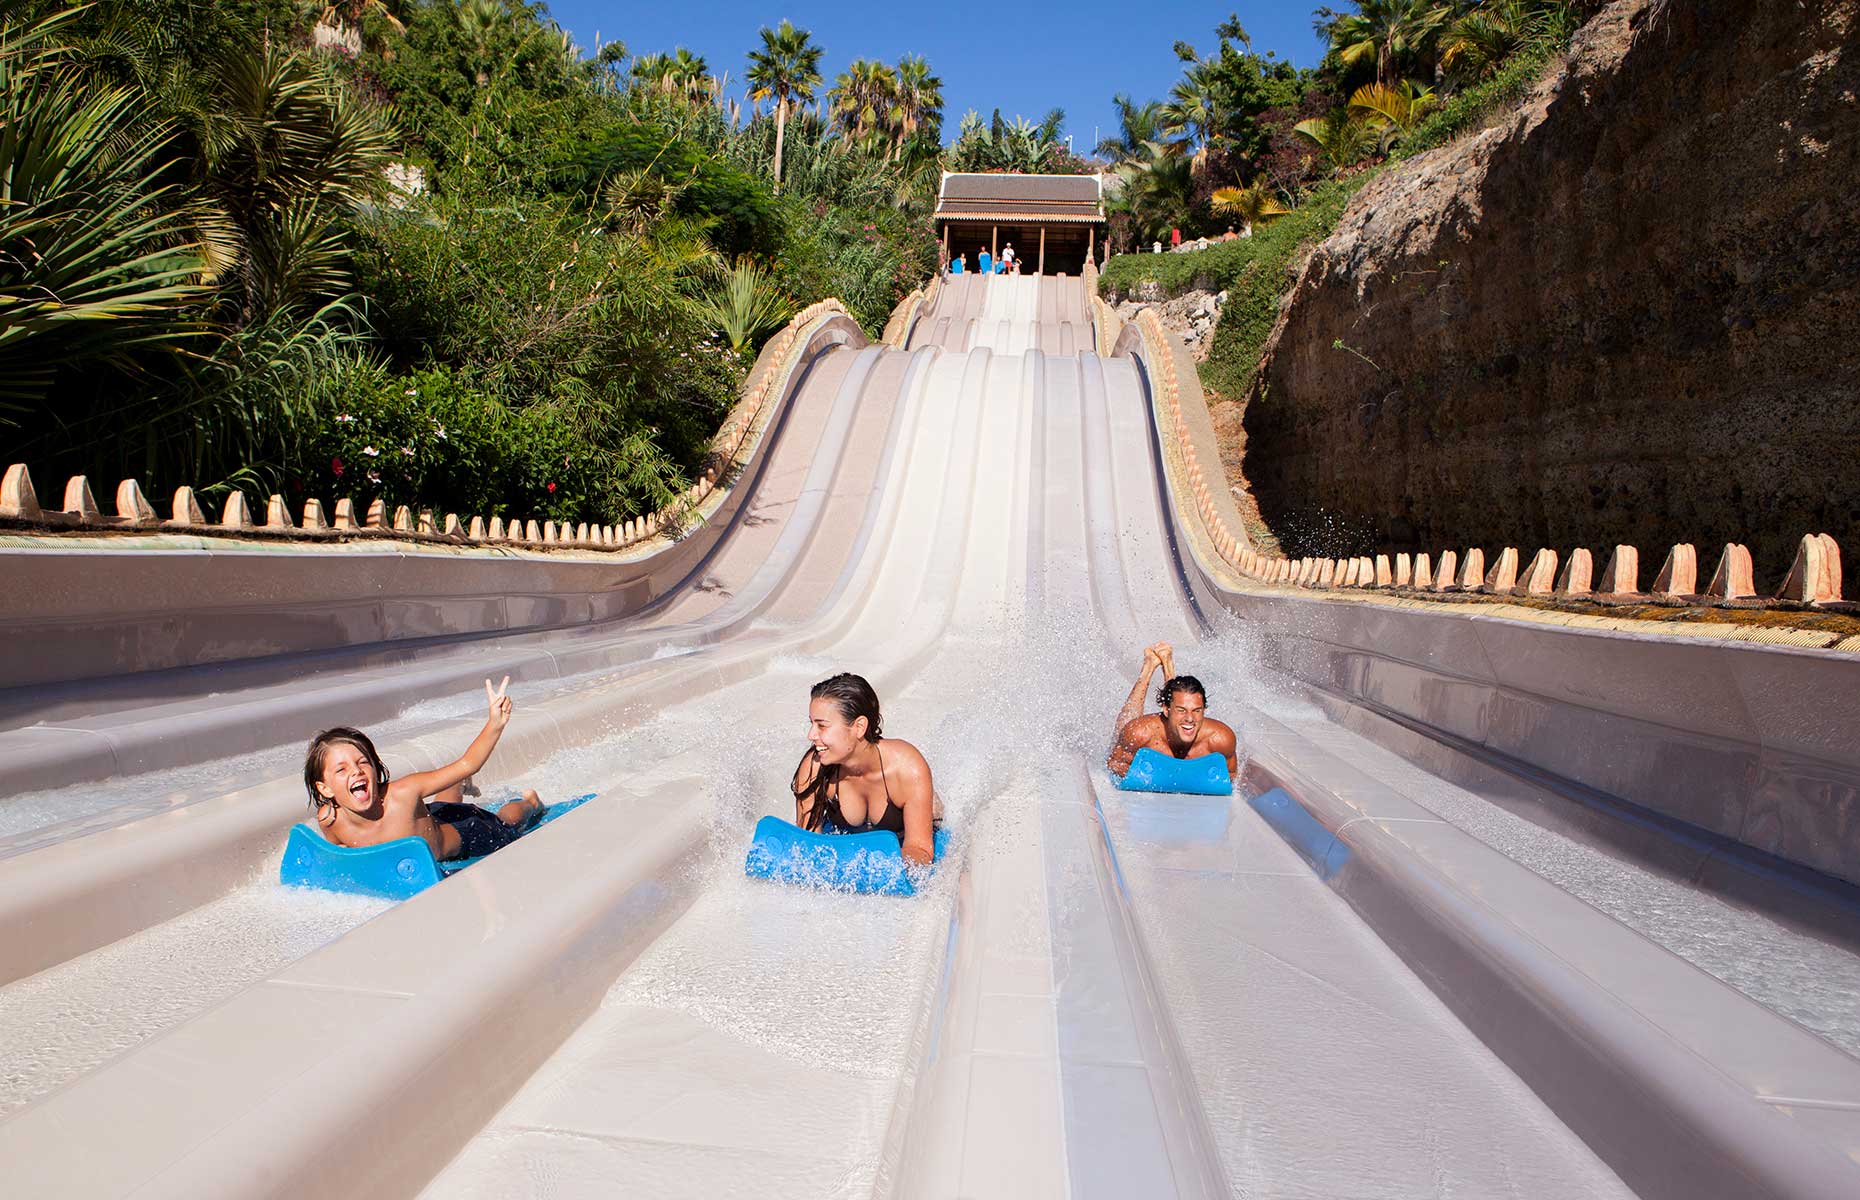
column 1106, row 321
column 898, row 326
column 1813, row 580
column 19, row 502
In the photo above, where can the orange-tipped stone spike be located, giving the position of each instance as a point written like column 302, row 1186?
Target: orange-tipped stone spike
column 1578, row 574
column 1735, row 578
column 1540, row 578
column 132, row 506
column 78, row 499
column 1472, row 573
column 1679, row 574
column 236, row 515
column 1815, row 576
column 1504, row 573
column 17, row 499
column 1621, row 577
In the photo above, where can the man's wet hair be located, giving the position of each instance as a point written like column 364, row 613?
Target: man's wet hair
column 854, row 697
column 1165, row 695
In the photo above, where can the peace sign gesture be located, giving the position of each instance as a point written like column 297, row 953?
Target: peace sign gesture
column 501, row 705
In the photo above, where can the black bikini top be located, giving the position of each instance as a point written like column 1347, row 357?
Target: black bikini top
column 824, row 790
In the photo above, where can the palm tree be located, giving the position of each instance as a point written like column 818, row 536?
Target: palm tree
column 1394, row 111
column 1255, row 205
column 1136, row 124
column 1193, row 115
column 786, row 70
column 862, row 98
column 684, row 75
column 1386, row 32
column 1344, row 135
column 1478, row 44
column 355, row 13
column 917, row 103
column 1156, row 188
column 101, row 259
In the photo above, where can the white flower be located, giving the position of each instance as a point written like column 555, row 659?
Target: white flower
column 344, row 419
column 407, row 450
column 413, row 391
column 370, row 451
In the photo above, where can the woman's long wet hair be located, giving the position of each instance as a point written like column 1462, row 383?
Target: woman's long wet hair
column 854, row 697
column 1165, row 696
column 319, row 750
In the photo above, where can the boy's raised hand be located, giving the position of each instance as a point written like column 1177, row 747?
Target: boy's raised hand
column 501, row 705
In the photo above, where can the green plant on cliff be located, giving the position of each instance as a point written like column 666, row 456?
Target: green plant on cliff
column 1394, row 35
column 1250, row 205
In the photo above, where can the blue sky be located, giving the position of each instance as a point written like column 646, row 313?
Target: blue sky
column 1024, row 58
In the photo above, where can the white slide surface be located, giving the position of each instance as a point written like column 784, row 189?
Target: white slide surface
column 1098, row 995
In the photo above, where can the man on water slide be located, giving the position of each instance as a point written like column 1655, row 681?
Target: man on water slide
column 1182, row 729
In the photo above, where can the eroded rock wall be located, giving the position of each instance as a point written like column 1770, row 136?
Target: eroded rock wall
column 1630, row 312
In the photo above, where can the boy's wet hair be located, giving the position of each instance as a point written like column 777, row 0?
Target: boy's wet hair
column 855, row 698
column 1165, row 696
column 319, row 750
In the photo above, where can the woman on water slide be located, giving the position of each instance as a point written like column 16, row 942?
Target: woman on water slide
column 854, row 779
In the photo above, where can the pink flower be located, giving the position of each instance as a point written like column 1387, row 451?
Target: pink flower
column 335, row 465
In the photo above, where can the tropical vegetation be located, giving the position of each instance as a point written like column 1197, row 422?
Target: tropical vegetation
column 427, row 251
column 1247, row 144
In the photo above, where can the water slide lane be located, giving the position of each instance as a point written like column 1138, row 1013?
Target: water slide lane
column 78, row 1013
column 1019, row 1030
column 690, row 1027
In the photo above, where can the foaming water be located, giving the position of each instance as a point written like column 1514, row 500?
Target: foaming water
column 70, row 1018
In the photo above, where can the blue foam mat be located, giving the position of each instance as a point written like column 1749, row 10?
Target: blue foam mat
column 392, row 870
column 1153, row 771
column 871, row 863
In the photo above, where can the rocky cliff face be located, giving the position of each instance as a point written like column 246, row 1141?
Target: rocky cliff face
column 1630, row 312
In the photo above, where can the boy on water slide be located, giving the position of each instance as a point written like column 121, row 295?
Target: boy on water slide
column 1182, row 729
column 356, row 805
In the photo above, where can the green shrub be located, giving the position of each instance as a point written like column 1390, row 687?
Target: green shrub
column 1252, row 271
column 437, row 437
column 1467, row 110
column 1255, row 271
column 541, row 305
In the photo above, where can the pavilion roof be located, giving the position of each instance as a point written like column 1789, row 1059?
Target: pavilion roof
column 1028, row 198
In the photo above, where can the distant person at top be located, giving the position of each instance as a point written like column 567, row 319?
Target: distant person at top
column 1181, row 730
column 1007, row 256
column 854, row 779
column 984, row 262
column 955, row 265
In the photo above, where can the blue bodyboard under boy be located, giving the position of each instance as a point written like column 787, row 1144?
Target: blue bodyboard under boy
column 392, row 870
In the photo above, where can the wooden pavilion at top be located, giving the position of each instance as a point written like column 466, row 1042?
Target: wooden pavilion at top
column 1052, row 221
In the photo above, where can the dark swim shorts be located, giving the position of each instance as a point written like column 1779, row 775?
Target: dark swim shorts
column 480, row 832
